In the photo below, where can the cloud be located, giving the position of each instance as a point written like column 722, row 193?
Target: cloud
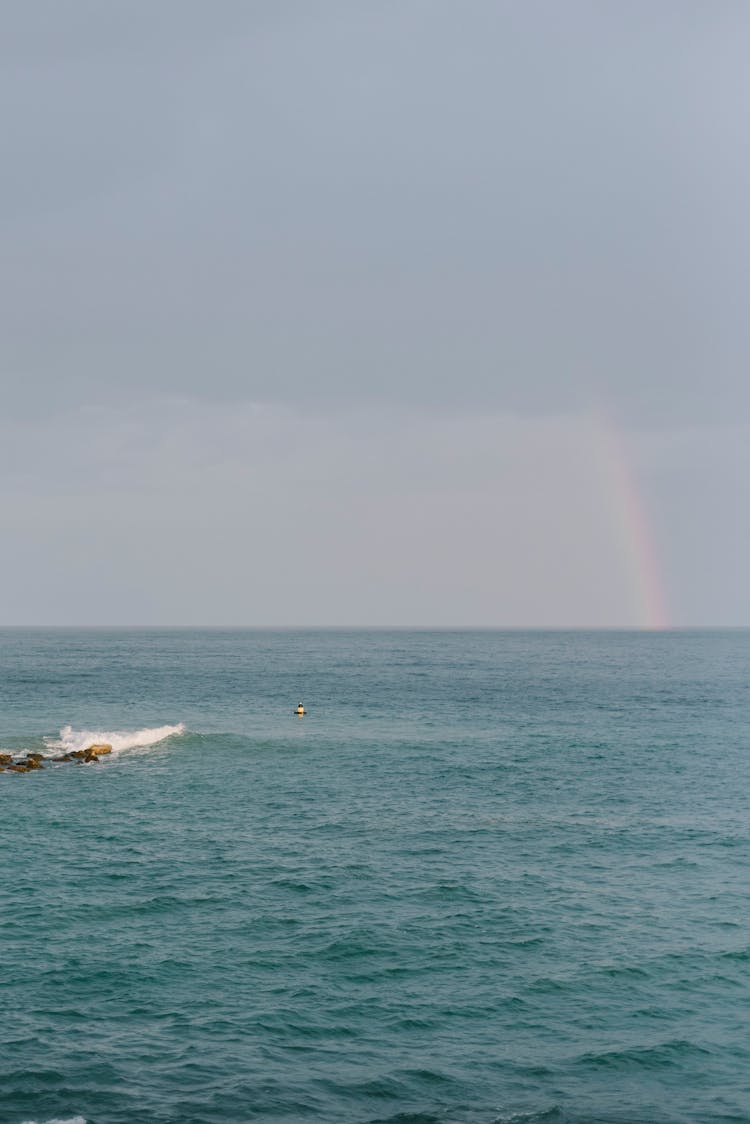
column 304, row 310
column 262, row 515
column 512, row 208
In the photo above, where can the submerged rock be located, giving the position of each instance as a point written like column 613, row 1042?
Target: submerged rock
column 19, row 769
column 35, row 757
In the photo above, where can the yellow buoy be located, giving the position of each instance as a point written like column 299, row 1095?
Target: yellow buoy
column 300, row 710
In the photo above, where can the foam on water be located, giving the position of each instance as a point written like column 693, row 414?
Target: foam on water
column 71, row 740
column 67, row 1120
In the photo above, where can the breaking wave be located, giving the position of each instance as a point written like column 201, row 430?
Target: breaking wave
column 71, row 739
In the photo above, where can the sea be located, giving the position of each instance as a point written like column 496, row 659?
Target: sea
column 491, row 877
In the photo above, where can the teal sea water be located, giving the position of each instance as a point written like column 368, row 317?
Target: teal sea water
column 491, row 877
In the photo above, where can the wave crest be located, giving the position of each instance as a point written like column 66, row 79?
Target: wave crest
column 71, row 739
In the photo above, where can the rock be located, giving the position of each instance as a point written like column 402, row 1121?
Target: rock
column 34, row 760
column 94, row 752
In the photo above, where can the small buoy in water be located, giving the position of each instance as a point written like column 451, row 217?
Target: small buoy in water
column 299, row 710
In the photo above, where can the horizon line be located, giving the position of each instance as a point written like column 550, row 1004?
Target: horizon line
column 377, row 627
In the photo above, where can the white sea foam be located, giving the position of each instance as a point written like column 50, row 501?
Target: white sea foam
column 71, row 739
column 67, row 1120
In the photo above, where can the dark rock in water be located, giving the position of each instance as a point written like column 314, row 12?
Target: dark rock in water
column 34, row 760
column 94, row 752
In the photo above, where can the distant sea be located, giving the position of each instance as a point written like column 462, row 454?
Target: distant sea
column 491, row 877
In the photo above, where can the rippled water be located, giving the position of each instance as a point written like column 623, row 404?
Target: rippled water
column 490, row 877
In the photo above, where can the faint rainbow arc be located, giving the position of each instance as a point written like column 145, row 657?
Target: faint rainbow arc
column 631, row 526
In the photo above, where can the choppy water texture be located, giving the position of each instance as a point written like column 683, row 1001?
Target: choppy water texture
column 491, row 877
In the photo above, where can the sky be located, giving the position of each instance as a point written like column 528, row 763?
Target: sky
column 375, row 312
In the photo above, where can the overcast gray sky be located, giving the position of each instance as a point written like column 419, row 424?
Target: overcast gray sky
column 311, row 310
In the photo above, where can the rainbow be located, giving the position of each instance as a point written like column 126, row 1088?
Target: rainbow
column 631, row 524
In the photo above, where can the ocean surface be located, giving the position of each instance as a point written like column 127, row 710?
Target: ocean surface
column 491, row 877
